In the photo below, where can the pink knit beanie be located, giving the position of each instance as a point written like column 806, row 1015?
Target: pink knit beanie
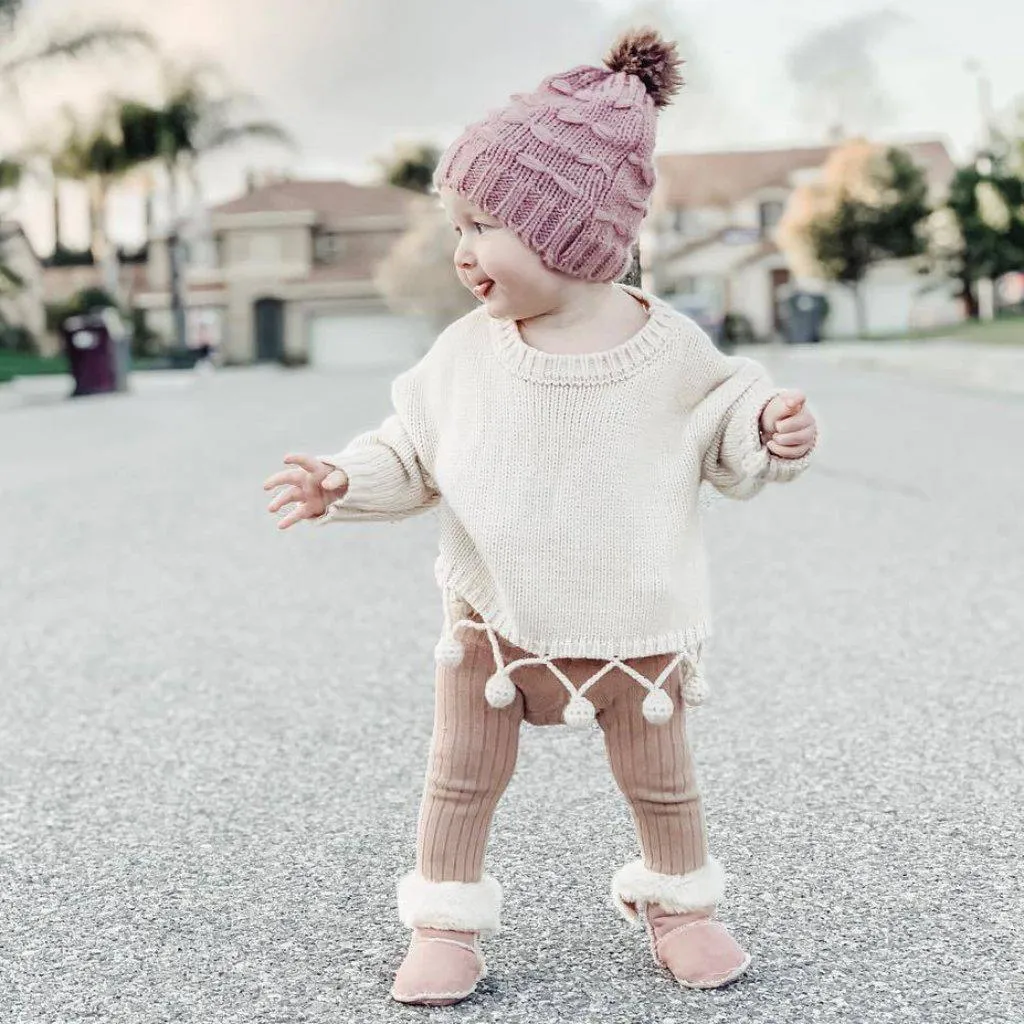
column 569, row 168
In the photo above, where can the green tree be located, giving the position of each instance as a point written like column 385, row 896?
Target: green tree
column 198, row 116
column 91, row 152
column 411, row 166
column 861, row 233
column 987, row 199
column 872, row 205
column 416, row 277
column 17, row 62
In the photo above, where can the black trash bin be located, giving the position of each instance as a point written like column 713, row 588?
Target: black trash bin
column 805, row 314
column 96, row 348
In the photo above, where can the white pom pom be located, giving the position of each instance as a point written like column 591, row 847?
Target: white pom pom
column 449, row 652
column 695, row 689
column 658, row 707
column 500, row 691
column 579, row 712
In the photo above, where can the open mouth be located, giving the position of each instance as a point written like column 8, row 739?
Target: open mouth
column 481, row 290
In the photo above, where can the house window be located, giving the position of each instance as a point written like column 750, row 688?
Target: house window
column 330, row 246
column 769, row 215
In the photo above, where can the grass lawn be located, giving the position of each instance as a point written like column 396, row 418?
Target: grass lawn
column 1006, row 330
column 21, row 364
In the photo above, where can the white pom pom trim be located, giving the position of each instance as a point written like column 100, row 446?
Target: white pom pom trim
column 449, row 652
column 500, row 691
column 695, row 689
column 658, row 707
column 579, row 713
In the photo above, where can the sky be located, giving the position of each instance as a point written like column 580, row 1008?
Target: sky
column 350, row 77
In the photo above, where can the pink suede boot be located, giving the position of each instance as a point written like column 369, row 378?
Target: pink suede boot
column 440, row 968
column 695, row 947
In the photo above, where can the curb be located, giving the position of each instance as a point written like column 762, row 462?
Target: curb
column 970, row 365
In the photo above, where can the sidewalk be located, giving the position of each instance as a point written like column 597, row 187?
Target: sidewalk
column 57, row 387
column 971, row 365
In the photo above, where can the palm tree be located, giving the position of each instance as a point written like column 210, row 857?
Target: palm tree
column 197, row 117
column 92, row 153
column 62, row 45
column 68, row 45
column 77, row 150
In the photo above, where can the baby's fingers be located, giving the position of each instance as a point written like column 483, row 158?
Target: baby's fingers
column 307, row 462
column 790, row 424
column 788, row 451
column 794, row 438
column 286, row 496
column 299, row 513
column 286, row 476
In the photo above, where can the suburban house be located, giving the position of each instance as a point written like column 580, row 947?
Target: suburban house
column 708, row 243
column 285, row 273
column 22, row 307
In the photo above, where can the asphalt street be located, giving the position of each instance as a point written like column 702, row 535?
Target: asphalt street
column 213, row 734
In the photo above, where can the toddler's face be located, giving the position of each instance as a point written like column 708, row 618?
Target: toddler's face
column 496, row 267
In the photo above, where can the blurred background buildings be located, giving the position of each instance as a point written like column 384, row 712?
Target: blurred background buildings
column 256, row 177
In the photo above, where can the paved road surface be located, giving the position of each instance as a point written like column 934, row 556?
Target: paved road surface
column 213, row 735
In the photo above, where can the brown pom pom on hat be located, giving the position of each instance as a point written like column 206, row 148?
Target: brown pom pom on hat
column 645, row 54
column 569, row 168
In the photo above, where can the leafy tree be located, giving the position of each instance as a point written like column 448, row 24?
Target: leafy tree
column 417, row 276
column 871, row 206
column 986, row 199
column 198, row 116
column 17, row 62
column 411, row 166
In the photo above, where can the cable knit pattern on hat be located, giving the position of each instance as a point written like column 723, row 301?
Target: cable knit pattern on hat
column 566, row 485
column 569, row 168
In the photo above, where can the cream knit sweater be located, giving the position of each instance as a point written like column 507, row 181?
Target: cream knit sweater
column 566, row 486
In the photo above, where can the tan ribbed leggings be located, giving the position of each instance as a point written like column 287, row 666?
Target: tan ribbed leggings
column 474, row 749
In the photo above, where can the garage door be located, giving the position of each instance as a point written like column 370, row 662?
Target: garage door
column 344, row 341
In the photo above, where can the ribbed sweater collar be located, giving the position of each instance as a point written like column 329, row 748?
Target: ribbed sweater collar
column 586, row 367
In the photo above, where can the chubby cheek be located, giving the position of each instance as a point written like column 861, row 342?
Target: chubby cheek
column 521, row 287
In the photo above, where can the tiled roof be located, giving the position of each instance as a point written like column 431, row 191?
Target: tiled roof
column 332, row 200
column 352, row 269
column 721, row 179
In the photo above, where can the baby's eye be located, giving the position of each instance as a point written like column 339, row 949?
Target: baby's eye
column 477, row 224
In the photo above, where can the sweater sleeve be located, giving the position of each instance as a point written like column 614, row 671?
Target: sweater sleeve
column 735, row 462
column 387, row 478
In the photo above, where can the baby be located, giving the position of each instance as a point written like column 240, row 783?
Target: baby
column 562, row 432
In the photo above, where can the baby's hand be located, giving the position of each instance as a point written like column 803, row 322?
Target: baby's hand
column 787, row 428
column 311, row 487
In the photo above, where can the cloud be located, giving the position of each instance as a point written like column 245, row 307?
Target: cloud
column 836, row 75
column 346, row 77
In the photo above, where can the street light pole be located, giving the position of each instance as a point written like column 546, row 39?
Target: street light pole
column 984, row 86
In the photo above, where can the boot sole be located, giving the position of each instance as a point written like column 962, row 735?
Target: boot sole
column 726, row 979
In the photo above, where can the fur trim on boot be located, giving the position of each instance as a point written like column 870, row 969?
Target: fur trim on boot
column 635, row 884
column 451, row 906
